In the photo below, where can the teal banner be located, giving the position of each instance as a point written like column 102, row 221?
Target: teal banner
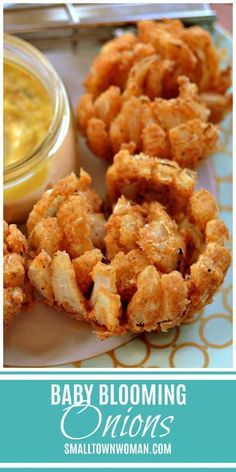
column 106, row 421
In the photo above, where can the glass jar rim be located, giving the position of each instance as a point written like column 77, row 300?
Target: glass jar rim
column 17, row 45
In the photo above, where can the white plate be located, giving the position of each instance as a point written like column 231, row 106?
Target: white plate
column 45, row 337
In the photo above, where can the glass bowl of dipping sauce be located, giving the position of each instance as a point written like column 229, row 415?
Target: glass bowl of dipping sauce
column 39, row 130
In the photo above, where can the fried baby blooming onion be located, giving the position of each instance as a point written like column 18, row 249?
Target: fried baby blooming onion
column 176, row 51
column 161, row 260
column 176, row 129
column 159, row 92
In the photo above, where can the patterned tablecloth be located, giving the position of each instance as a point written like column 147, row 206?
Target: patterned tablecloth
column 207, row 341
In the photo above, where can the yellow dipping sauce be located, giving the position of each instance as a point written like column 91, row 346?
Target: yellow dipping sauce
column 27, row 113
column 36, row 107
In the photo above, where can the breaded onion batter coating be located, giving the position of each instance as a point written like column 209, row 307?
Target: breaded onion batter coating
column 17, row 290
column 191, row 142
column 83, row 266
column 66, row 291
column 63, row 284
column 40, row 275
column 189, row 51
column 159, row 304
column 106, row 304
column 140, row 177
column 127, row 267
column 68, row 217
column 176, row 129
column 178, row 260
column 208, row 75
column 161, row 263
column 161, row 241
column 142, row 86
column 46, row 235
column 122, row 227
column 219, row 105
column 112, row 65
column 141, row 121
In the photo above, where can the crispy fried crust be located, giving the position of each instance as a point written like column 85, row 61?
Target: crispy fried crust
column 141, row 87
column 161, row 241
column 13, row 300
column 149, row 124
column 67, row 218
column 147, row 77
column 159, row 304
column 66, row 291
column 46, row 235
column 160, row 271
column 141, row 178
column 122, row 227
column 14, row 270
column 17, row 290
column 202, row 208
column 206, row 276
column 169, row 46
column 132, row 121
column 163, row 246
column 49, row 203
column 219, row 105
column 192, row 142
column 180, row 252
column 112, row 65
column 83, row 266
column 190, row 50
column 127, row 267
column 105, row 303
column 40, row 275
column 72, row 217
